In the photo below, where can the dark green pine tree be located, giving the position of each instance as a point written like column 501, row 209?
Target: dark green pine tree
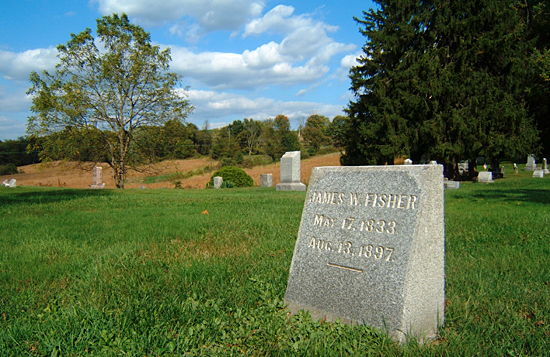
column 440, row 79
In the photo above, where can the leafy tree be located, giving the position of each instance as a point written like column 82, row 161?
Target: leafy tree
column 251, row 134
column 15, row 152
column 203, row 140
column 278, row 138
column 337, row 130
column 118, row 88
column 440, row 78
column 315, row 133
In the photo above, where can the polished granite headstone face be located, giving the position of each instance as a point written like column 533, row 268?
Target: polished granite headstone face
column 371, row 249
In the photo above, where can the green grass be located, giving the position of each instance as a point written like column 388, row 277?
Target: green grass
column 144, row 272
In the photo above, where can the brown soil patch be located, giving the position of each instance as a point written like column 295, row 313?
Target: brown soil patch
column 75, row 175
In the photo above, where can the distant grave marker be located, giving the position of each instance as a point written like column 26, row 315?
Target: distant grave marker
column 218, row 181
column 538, row 173
column 531, row 163
column 266, row 180
column 290, row 172
column 97, row 177
column 371, row 249
column 485, row 176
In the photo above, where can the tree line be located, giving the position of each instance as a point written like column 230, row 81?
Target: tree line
column 181, row 140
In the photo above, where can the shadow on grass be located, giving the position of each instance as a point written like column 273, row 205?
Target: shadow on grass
column 48, row 196
column 530, row 195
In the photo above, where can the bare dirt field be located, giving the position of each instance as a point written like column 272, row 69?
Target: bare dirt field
column 75, row 175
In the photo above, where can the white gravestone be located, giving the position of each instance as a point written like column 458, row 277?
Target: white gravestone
column 408, row 162
column 452, row 185
column 485, row 176
column 371, row 249
column 531, row 163
column 538, row 173
column 515, row 168
column 6, row 183
column 12, row 183
column 97, row 177
column 266, row 180
column 218, row 180
column 546, row 171
column 290, row 172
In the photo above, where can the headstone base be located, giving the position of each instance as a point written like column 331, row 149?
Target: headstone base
column 98, row 186
column 292, row 186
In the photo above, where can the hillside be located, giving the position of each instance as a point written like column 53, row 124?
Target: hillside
column 79, row 175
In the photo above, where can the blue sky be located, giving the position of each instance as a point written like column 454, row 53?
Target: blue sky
column 241, row 59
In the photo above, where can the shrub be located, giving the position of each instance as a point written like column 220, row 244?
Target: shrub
column 236, row 176
column 8, row 169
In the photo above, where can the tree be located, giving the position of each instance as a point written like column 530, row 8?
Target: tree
column 119, row 88
column 440, row 79
column 337, row 130
column 278, row 138
column 315, row 133
column 251, row 134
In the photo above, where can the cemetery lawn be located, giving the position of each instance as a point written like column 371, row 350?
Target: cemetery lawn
column 149, row 272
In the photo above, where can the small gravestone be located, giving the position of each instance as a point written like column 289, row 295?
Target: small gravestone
column 371, row 249
column 266, row 180
column 408, row 162
column 452, row 185
column 531, row 163
column 538, row 173
column 545, row 162
column 218, row 181
column 515, row 168
column 433, row 162
column 485, row 176
column 5, row 183
column 463, row 167
column 290, row 173
column 97, row 177
column 12, row 183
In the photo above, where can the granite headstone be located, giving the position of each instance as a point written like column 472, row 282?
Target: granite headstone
column 12, row 183
column 531, row 163
column 97, row 177
column 266, row 180
column 538, row 173
column 371, row 248
column 485, row 176
column 290, row 173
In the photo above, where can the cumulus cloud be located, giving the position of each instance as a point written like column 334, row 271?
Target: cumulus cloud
column 301, row 57
column 18, row 65
column 210, row 15
column 249, row 70
column 221, row 108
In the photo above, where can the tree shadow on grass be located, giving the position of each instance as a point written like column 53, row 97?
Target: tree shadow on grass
column 48, row 196
column 526, row 195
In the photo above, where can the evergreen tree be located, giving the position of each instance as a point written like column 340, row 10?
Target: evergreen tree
column 440, row 79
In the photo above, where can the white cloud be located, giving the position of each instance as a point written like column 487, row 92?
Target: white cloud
column 11, row 128
column 221, row 108
column 18, row 66
column 14, row 99
column 249, row 70
column 210, row 15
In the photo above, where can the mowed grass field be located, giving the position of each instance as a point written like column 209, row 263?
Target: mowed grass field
column 203, row 273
